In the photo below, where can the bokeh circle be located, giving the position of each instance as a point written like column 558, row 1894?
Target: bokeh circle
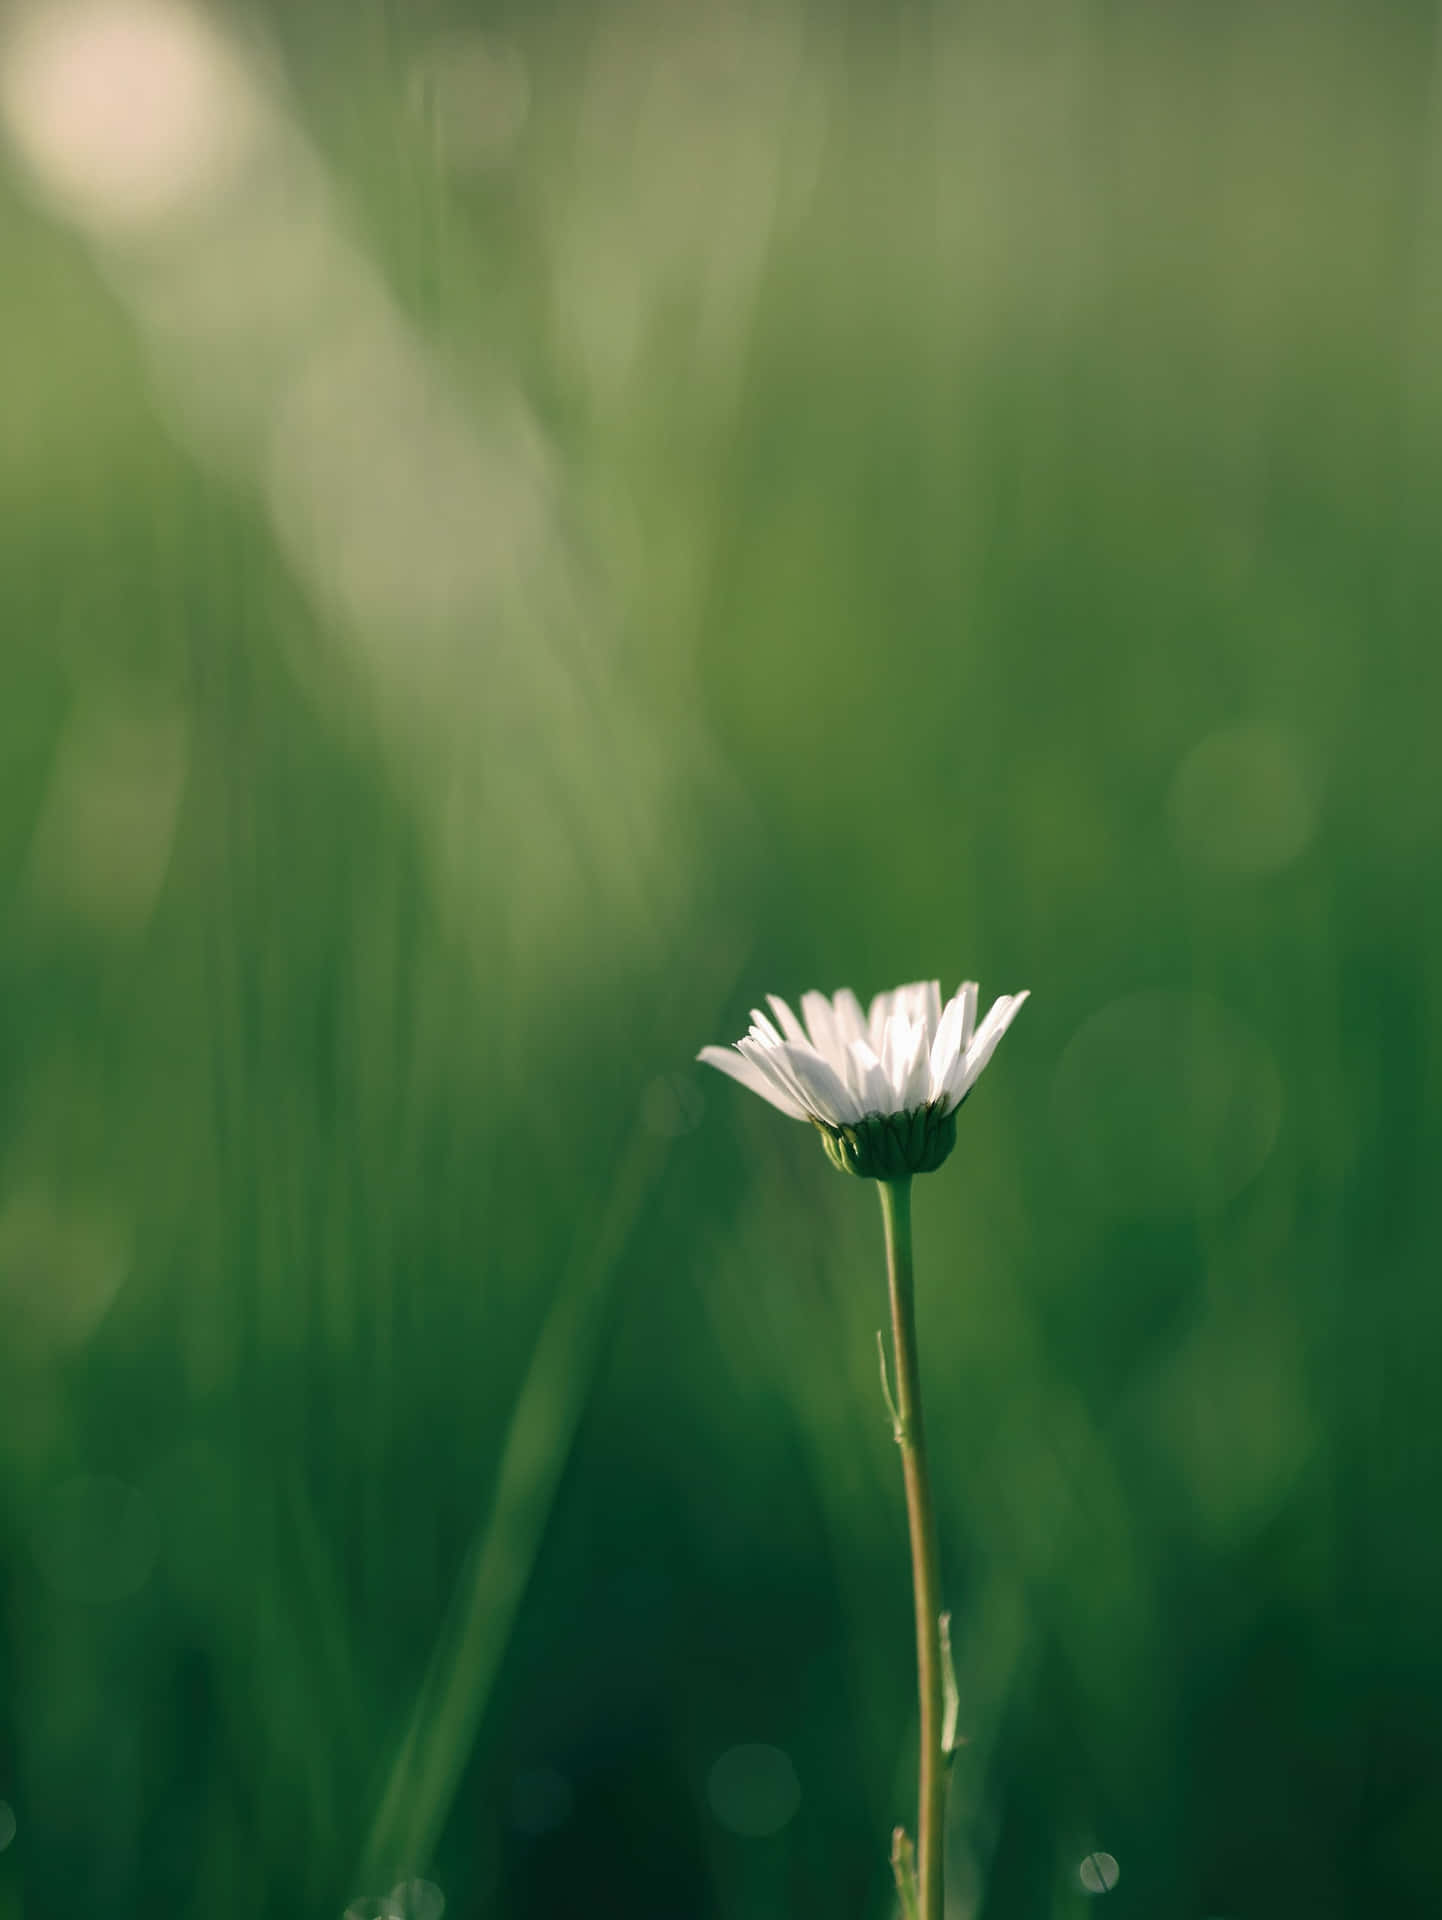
column 1165, row 1103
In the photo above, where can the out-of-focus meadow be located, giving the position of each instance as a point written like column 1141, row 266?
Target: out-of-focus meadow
column 524, row 529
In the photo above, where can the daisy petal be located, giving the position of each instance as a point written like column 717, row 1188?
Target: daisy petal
column 787, row 1020
column 820, row 1020
column 967, row 993
column 947, row 1045
column 877, row 1015
column 914, row 1085
column 821, row 1086
column 850, row 1020
column 751, row 1076
column 1002, row 1012
column 969, row 1067
column 873, row 1093
column 931, row 1008
column 898, row 1050
column 915, row 1001
column 772, row 1064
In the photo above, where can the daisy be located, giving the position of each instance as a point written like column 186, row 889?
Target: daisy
column 882, row 1087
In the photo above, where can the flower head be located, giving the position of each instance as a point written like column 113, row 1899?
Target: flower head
column 883, row 1086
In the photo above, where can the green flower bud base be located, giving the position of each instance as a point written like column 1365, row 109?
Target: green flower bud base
column 891, row 1146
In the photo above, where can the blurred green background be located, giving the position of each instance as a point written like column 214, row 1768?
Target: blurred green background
column 525, row 529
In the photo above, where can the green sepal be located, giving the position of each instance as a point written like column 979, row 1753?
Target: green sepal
column 890, row 1146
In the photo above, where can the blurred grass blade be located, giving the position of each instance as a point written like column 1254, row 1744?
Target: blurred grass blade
column 452, row 1699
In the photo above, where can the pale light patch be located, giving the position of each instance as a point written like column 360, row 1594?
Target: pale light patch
column 128, row 113
column 1244, row 799
column 1165, row 1103
column 753, row 1791
column 1232, row 1412
column 234, row 317
column 59, row 1269
column 107, row 823
column 388, row 500
column 419, row 506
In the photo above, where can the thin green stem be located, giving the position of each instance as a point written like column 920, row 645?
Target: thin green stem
column 921, row 1520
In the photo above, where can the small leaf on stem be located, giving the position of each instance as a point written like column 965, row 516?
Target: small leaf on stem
column 903, row 1868
column 951, row 1699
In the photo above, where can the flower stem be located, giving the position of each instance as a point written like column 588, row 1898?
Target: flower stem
column 896, row 1214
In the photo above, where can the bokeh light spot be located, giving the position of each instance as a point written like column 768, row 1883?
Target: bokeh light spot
column 753, row 1790
column 1099, row 1873
column 59, row 1271
column 103, row 841
column 128, row 112
column 415, row 1900
column 1243, row 800
column 1165, row 1103
column 408, row 1900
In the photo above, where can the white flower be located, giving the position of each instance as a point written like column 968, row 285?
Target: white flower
column 883, row 1086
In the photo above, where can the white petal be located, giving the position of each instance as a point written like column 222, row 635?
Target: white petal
column 877, row 1015
column 820, row 1086
column 912, row 998
column 850, row 1020
column 1003, row 1011
column 884, row 1042
column 947, row 1045
column 751, row 1076
column 984, row 1043
column 773, row 1066
column 786, row 1019
column 967, row 993
column 956, row 1081
column 873, row 1092
column 914, row 1085
column 931, row 1007
column 903, row 1038
column 915, row 1000
column 821, row 1026
column 762, row 1028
